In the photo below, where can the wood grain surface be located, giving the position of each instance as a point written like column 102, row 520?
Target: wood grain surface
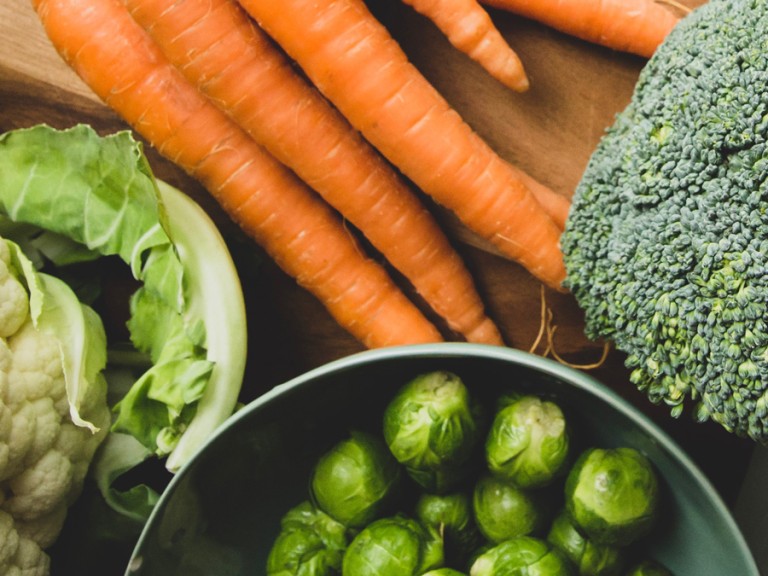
column 576, row 90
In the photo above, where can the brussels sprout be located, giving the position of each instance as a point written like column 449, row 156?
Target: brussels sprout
column 502, row 510
column 451, row 516
column 310, row 543
column 443, row 572
column 506, row 398
column 393, row 546
column 355, row 480
column 522, row 556
column 528, row 442
column 612, row 495
column 431, row 426
column 649, row 568
column 589, row 558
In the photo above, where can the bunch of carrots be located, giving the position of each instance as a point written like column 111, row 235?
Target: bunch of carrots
column 291, row 158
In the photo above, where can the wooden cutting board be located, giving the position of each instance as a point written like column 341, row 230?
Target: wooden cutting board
column 550, row 131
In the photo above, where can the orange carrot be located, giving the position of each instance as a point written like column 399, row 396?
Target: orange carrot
column 470, row 29
column 218, row 48
column 635, row 26
column 118, row 60
column 555, row 205
column 357, row 64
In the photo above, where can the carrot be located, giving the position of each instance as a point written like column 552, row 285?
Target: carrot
column 118, row 60
column 555, row 205
column 634, row 26
column 470, row 29
column 359, row 67
column 217, row 47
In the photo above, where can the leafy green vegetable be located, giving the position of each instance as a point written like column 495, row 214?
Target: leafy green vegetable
column 87, row 196
column 355, row 480
column 528, row 443
column 665, row 245
column 432, row 426
column 452, row 516
column 503, row 510
column 585, row 520
column 612, row 495
column 393, row 546
column 589, row 558
column 310, row 543
column 524, row 555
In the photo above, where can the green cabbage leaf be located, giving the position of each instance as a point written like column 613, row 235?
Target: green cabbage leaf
column 70, row 196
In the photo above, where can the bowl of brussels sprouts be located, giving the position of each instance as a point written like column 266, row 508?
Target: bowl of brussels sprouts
column 441, row 460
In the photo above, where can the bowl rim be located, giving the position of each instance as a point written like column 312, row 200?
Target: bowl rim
column 573, row 376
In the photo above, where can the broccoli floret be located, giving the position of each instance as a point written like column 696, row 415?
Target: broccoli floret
column 666, row 245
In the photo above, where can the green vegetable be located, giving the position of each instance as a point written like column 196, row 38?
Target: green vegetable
column 502, row 510
column 393, row 546
column 612, row 495
column 451, row 516
column 354, row 481
column 665, row 245
column 528, row 443
column 590, row 559
column 580, row 522
column 649, row 568
column 72, row 196
column 53, row 407
column 521, row 556
column 431, row 426
column 310, row 543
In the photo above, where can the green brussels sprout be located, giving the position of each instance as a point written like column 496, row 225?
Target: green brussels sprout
column 431, row 427
column 506, row 398
column 528, row 442
column 393, row 546
column 612, row 495
column 502, row 510
column 443, row 572
column 451, row 516
column 310, row 543
column 521, row 556
column 649, row 568
column 355, row 480
column 589, row 558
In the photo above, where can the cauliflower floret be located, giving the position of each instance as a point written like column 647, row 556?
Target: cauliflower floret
column 43, row 530
column 33, row 397
column 44, row 456
column 35, row 360
column 40, row 488
column 9, row 540
column 80, row 445
column 20, row 556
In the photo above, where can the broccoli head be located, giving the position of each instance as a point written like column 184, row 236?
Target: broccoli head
column 666, row 245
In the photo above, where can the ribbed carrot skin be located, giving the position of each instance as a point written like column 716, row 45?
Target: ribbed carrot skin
column 555, row 205
column 359, row 67
column 634, row 26
column 470, row 29
column 218, row 48
column 118, row 60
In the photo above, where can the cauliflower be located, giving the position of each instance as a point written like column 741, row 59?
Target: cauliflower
column 44, row 456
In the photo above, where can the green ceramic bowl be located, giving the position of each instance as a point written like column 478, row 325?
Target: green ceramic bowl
column 220, row 513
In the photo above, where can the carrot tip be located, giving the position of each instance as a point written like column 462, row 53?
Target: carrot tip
column 520, row 85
